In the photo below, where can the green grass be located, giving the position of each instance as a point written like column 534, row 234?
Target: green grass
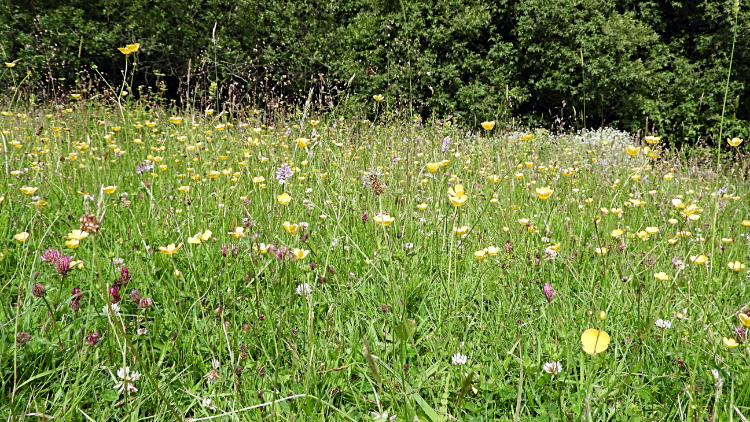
column 389, row 305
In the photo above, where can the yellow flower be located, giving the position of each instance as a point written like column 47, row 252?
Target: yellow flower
column 457, row 191
column 170, row 249
column 302, row 142
column 422, row 207
column 262, row 248
column 195, row 240
column 460, row 230
column 28, row 190
column 184, row 189
column 479, row 254
column 259, row 179
column 601, row 251
column 730, row 342
column 617, row 232
column 652, row 139
column 527, row 137
column 594, row 341
column 314, row 122
column 214, row 174
column 668, row 177
column 110, row 189
column 10, row 64
column 745, row 223
column 72, row 243
column 291, row 228
column 745, row 320
column 736, row 266
column 602, row 316
column 488, row 125
column 458, row 200
column 699, row 259
column 642, row 235
column 284, row 198
column 175, row 120
column 133, row 47
column 494, row 178
column 299, row 253
column 727, row 240
column 433, row 167
column 124, row 50
column 77, row 235
column 556, row 247
column 206, row 235
column 652, row 230
column 377, row 97
column 238, row 232
column 384, row 220
column 543, row 193
column 632, row 151
column 661, row 276
column 21, row 237
column 209, row 111
column 494, row 250
column 734, row 142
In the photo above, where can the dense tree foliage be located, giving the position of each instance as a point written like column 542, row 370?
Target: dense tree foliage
column 632, row 64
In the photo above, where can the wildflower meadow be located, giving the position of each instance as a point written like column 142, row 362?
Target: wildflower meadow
column 163, row 262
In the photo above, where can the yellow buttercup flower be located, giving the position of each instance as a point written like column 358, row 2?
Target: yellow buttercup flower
column 175, row 120
column 745, row 223
column 77, row 235
column 422, row 207
column 594, row 341
column 384, row 219
column 457, row 201
column 661, row 276
column 28, row 190
column 299, row 253
column 601, row 251
column 699, row 259
column 652, row 139
column 652, row 230
column 377, row 97
column 21, row 237
column 730, row 342
column 184, row 189
column 488, row 125
column 238, row 232
column 433, row 167
column 617, row 232
column 734, row 142
column 302, row 142
column 110, row 189
column 736, row 266
column 170, row 249
column 284, row 198
column 206, row 235
column 72, row 243
column 458, row 190
column 745, row 320
column 494, row 250
column 291, row 228
column 544, row 193
column 479, row 254
column 195, row 240
column 632, row 151
column 259, row 179
column 460, row 230
column 556, row 247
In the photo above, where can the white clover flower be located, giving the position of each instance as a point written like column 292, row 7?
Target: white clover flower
column 664, row 324
column 459, row 359
column 304, row 289
column 553, row 368
column 127, row 380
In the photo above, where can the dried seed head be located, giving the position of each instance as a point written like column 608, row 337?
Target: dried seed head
column 38, row 291
column 89, row 223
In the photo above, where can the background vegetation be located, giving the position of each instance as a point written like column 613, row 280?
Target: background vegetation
column 661, row 63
